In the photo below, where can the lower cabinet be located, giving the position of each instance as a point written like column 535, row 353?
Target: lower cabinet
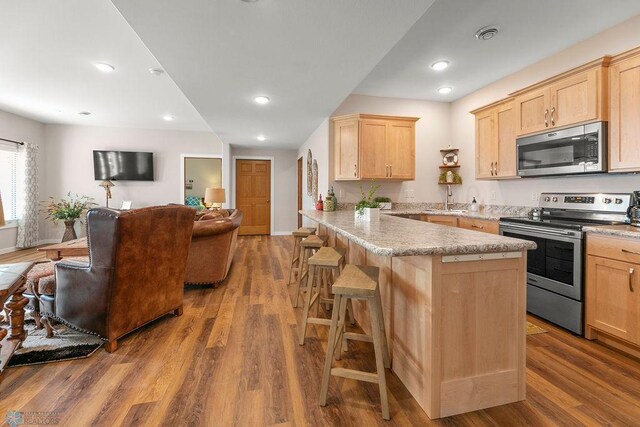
column 613, row 291
column 483, row 225
column 451, row 221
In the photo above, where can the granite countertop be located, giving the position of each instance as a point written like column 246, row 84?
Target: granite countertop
column 394, row 236
column 440, row 212
column 615, row 230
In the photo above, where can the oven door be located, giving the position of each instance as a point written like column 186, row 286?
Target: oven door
column 556, row 263
column 577, row 150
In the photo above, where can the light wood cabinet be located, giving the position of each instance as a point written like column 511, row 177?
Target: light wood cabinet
column 577, row 96
column 368, row 146
column 496, row 141
column 483, row 225
column 451, row 221
column 613, row 289
column 624, row 113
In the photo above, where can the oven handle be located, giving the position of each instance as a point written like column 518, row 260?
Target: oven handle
column 541, row 230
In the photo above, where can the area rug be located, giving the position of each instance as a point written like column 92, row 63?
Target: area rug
column 66, row 344
column 534, row 329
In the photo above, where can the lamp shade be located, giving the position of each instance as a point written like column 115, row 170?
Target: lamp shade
column 214, row 195
column 1, row 212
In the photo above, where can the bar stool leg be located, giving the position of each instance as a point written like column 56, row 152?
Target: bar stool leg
column 376, row 319
column 296, row 248
column 307, row 302
column 341, row 341
column 326, row 373
column 385, row 347
column 301, row 274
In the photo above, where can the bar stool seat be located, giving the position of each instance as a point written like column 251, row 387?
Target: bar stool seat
column 361, row 283
column 325, row 265
column 298, row 235
column 307, row 247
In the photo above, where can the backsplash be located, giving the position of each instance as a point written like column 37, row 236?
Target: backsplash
column 494, row 210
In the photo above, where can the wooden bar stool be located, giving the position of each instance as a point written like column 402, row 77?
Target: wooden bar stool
column 298, row 235
column 307, row 247
column 357, row 282
column 326, row 265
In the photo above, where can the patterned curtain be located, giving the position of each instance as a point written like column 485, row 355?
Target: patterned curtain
column 28, row 223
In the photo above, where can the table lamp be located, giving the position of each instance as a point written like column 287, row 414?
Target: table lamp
column 106, row 184
column 1, row 213
column 214, row 195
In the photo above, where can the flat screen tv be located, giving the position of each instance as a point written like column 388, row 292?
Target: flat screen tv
column 123, row 165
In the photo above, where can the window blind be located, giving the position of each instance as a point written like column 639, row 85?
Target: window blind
column 8, row 180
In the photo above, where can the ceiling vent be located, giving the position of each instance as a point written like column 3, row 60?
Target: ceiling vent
column 486, row 33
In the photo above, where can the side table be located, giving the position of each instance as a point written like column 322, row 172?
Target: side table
column 13, row 278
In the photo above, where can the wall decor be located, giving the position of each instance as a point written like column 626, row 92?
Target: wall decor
column 315, row 180
column 310, row 174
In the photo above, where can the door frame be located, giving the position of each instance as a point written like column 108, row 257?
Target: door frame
column 271, row 190
column 202, row 156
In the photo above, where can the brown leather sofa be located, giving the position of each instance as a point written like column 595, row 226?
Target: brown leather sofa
column 212, row 248
column 135, row 274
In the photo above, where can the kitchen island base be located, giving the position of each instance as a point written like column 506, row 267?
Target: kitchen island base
column 456, row 325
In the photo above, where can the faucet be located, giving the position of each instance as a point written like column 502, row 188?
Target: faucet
column 448, row 201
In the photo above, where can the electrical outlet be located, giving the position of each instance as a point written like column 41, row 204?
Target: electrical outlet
column 534, row 196
column 410, row 194
column 493, row 195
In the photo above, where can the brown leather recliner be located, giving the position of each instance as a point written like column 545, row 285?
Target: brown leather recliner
column 212, row 248
column 136, row 268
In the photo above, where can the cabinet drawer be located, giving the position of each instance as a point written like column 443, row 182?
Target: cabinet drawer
column 483, row 225
column 617, row 248
column 451, row 221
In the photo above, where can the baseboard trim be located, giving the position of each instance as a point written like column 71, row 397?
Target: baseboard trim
column 7, row 250
column 281, row 233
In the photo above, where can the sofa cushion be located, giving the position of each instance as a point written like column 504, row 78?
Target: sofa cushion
column 211, row 215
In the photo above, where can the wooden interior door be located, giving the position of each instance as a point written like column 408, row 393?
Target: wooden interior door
column 300, row 166
column 401, row 150
column 253, row 195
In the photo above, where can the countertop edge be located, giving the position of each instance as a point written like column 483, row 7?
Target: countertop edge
column 614, row 231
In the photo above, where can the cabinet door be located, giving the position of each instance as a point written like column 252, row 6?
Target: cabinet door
column 451, row 221
column 506, row 133
column 346, row 149
column 532, row 111
column 401, row 150
column 574, row 99
column 612, row 297
column 624, row 116
column 373, row 149
column 485, row 143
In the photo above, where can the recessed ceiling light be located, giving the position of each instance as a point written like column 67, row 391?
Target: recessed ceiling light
column 167, row 117
column 261, row 137
column 84, row 113
column 104, row 67
column 262, row 99
column 440, row 65
column 486, row 33
column 156, row 71
column 444, row 90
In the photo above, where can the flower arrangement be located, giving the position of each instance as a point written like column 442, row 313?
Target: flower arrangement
column 367, row 200
column 67, row 209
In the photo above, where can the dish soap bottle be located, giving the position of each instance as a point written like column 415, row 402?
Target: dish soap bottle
column 333, row 198
column 474, row 205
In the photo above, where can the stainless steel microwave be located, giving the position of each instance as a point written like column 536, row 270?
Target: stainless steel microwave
column 577, row 150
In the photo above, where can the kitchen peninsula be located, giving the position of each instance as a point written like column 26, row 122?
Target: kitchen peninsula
column 453, row 303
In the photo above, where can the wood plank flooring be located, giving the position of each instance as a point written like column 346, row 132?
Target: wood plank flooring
column 233, row 359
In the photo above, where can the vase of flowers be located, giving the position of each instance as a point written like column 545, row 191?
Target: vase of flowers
column 367, row 208
column 68, row 209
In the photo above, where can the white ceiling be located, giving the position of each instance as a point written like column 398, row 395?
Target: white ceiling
column 46, row 68
column 306, row 55
column 530, row 30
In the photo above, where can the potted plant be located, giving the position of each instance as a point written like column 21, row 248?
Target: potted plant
column 69, row 210
column 367, row 208
column 384, row 202
column 449, row 177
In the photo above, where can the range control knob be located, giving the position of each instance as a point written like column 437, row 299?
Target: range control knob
column 618, row 201
column 546, row 199
column 606, row 200
column 555, row 199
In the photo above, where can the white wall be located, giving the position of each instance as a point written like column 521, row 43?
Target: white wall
column 20, row 128
column 519, row 192
column 69, row 151
column 318, row 143
column 285, row 174
column 204, row 173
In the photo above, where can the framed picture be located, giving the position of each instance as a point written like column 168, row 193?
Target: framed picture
column 126, row 205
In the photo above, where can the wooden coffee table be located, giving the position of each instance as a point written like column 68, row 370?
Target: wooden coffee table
column 77, row 247
column 12, row 284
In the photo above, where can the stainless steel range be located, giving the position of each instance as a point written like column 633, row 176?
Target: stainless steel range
column 555, row 282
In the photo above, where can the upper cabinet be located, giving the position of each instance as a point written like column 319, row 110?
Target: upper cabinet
column 496, row 141
column 577, row 96
column 368, row 146
column 624, row 112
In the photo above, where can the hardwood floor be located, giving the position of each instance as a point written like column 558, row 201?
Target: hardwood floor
column 233, row 359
